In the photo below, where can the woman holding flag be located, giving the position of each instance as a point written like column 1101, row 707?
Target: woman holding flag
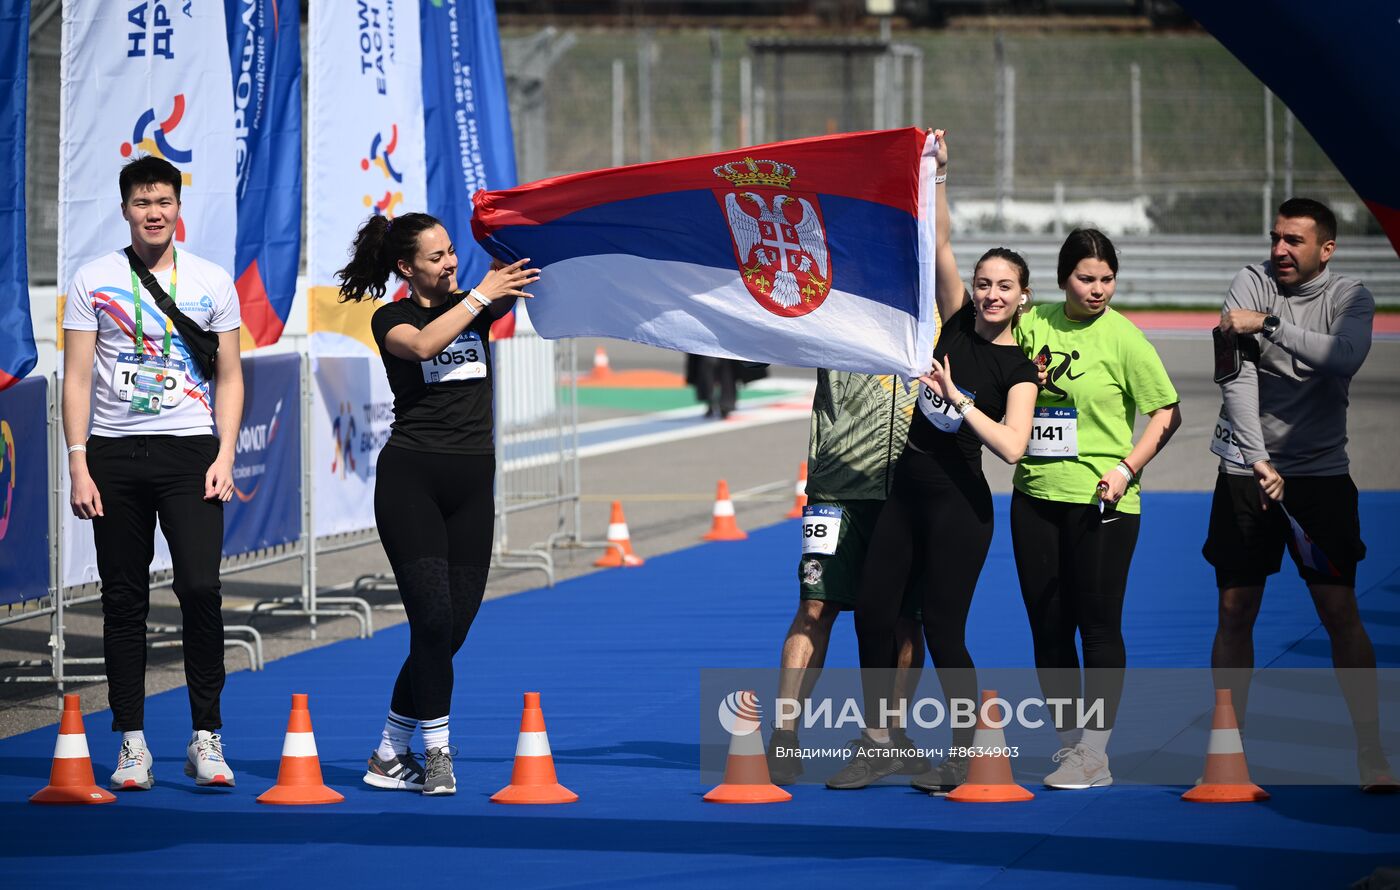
column 433, row 494
column 936, row 526
column 1075, row 508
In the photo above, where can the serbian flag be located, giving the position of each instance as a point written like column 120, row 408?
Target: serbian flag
column 1305, row 550
column 815, row 253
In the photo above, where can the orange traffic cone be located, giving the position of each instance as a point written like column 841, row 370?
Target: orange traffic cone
column 618, row 534
column 70, row 779
column 533, row 779
column 989, row 777
column 724, row 527
column 299, row 777
column 1227, row 773
column 746, row 778
column 602, row 368
column 801, row 491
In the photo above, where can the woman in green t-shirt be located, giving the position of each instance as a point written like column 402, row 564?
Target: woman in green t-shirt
column 1074, row 511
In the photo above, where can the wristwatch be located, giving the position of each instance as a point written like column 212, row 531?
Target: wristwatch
column 1270, row 325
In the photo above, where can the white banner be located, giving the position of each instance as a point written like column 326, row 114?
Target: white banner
column 349, row 425
column 364, row 147
column 144, row 77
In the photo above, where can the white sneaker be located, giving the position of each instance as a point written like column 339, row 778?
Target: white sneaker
column 133, row 773
column 204, row 760
column 1080, row 767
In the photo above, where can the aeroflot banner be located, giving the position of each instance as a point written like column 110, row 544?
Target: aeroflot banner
column 1327, row 65
column 264, row 43
column 408, row 113
column 144, row 77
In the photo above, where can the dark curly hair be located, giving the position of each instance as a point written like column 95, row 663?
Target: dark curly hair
column 375, row 253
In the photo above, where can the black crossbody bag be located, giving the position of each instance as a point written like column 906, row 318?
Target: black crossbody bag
column 203, row 345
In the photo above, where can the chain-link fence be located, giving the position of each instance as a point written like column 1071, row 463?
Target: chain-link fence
column 1136, row 133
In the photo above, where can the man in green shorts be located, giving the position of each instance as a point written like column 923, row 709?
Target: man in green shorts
column 859, row 425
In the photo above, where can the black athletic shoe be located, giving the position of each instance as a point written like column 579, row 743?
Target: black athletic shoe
column 942, row 778
column 402, row 772
column 784, row 765
column 1376, row 775
column 871, row 762
column 915, row 764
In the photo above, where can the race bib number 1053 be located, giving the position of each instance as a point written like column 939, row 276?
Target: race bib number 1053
column 463, row 359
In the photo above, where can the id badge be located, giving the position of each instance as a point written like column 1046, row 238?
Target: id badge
column 149, row 382
column 1223, row 442
column 943, row 414
column 463, row 359
column 821, row 529
column 1054, row 433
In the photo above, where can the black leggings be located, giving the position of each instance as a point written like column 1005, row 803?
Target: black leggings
column 1073, row 564
column 932, row 537
column 436, row 516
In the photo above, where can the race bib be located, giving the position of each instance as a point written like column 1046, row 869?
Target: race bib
column 463, row 359
column 943, row 414
column 1054, row 433
column 1223, row 443
column 821, row 527
column 149, row 382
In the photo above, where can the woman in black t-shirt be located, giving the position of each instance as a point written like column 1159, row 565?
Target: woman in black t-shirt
column 433, row 498
column 934, row 532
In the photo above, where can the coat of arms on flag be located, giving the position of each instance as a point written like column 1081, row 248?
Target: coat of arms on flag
column 778, row 235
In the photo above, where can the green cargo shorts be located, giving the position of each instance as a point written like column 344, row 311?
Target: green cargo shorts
column 835, row 578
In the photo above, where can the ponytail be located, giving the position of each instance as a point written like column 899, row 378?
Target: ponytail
column 378, row 247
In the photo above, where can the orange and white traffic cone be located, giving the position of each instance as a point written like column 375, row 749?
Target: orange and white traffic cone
column 533, row 780
column 746, row 778
column 621, row 554
column 724, row 527
column 70, row 779
column 989, row 778
column 299, row 777
column 602, row 368
column 801, row 492
column 1227, row 774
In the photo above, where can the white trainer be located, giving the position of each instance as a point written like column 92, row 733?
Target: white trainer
column 134, row 764
column 1080, row 767
column 204, row 760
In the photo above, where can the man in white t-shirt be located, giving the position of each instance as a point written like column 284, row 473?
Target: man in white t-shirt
column 143, row 429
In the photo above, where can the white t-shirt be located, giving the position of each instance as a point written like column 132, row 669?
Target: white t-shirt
column 99, row 299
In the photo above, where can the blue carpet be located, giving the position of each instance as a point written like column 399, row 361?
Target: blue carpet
column 616, row 656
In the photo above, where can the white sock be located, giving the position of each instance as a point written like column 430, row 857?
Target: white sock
column 398, row 732
column 1067, row 738
column 435, row 733
column 1097, row 739
column 136, row 735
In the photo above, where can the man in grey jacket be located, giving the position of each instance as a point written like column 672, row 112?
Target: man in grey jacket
column 1302, row 332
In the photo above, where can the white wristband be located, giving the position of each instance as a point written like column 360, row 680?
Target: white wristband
column 73, row 448
column 941, row 177
column 1127, row 473
column 479, row 297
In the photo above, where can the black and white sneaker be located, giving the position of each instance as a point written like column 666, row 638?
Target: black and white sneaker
column 438, row 777
column 871, row 762
column 402, row 772
column 942, row 779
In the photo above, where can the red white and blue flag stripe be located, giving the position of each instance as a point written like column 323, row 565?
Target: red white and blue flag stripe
column 1305, row 550
column 812, row 253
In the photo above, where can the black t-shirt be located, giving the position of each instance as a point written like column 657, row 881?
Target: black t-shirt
column 980, row 368
column 443, row 404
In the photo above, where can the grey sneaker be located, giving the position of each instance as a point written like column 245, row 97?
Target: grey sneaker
column 204, row 760
column 438, row 777
column 871, row 762
column 133, row 773
column 942, row 778
column 1080, row 767
column 783, row 766
column 402, row 772
column 915, row 764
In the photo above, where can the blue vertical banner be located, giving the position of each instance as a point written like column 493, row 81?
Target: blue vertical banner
column 264, row 38
column 17, row 353
column 266, row 506
column 24, row 491
column 467, row 137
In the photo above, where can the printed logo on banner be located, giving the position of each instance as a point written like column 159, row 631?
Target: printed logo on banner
column 376, row 40
column 381, row 158
column 249, row 85
column 158, row 145
column 253, row 441
column 8, row 476
column 343, row 435
column 778, row 235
